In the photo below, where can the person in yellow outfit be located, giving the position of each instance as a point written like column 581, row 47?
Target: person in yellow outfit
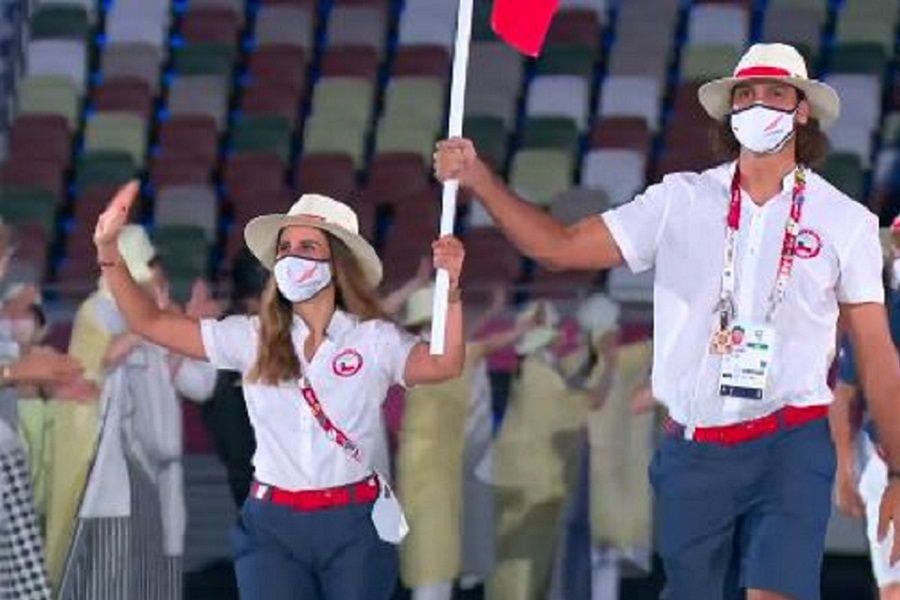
column 534, row 458
column 430, row 456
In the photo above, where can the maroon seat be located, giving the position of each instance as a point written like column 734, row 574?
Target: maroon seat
column 32, row 240
column 282, row 64
column 32, row 172
column 576, row 26
column 41, row 137
column 271, row 98
column 330, row 174
column 498, row 260
column 422, row 61
column 250, row 172
column 621, row 132
column 350, row 61
column 179, row 170
column 211, row 25
column 192, row 138
column 249, row 202
column 129, row 95
column 675, row 160
column 395, row 177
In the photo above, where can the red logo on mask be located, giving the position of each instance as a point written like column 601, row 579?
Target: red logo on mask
column 347, row 363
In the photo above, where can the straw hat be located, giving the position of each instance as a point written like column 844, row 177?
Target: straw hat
column 321, row 212
column 598, row 315
column 418, row 307
column 137, row 251
column 771, row 61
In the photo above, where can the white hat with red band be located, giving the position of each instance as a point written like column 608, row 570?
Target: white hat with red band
column 772, row 61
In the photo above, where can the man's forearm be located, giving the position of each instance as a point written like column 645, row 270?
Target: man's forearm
column 535, row 233
column 883, row 393
column 843, row 426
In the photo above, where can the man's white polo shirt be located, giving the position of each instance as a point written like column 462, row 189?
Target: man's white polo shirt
column 351, row 372
column 678, row 228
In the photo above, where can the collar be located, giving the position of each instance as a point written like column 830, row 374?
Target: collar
column 787, row 182
column 340, row 323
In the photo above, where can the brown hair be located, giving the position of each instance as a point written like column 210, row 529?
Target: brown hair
column 811, row 143
column 277, row 360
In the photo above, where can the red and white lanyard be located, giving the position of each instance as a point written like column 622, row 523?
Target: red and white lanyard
column 331, row 430
column 726, row 306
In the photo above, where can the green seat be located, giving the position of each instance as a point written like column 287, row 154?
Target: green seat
column 866, row 58
column 490, row 138
column 705, row 62
column 327, row 136
column 890, row 132
column 396, row 134
column 341, row 99
column 23, row 204
column 65, row 21
column 50, row 95
column 551, row 132
column 104, row 167
column 567, row 59
column 820, row 7
column 844, row 171
column 418, row 100
column 868, row 21
column 269, row 133
column 118, row 131
column 205, row 59
column 481, row 23
column 183, row 250
column 539, row 174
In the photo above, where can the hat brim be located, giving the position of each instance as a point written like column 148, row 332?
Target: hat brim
column 715, row 97
column 261, row 234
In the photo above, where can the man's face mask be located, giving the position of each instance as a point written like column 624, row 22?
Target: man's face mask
column 763, row 129
column 299, row 279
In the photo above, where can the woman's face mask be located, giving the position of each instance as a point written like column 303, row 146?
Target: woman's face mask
column 299, row 279
column 763, row 129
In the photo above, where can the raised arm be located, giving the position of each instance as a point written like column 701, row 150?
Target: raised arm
column 176, row 332
column 586, row 245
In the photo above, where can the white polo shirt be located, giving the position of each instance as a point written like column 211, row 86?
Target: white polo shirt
column 351, row 372
column 678, row 228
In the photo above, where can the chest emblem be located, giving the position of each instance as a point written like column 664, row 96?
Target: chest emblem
column 347, row 363
column 809, row 244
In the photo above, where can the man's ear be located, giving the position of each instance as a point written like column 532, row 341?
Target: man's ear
column 803, row 112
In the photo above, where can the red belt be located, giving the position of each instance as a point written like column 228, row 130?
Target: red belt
column 360, row 492
column 746, row 431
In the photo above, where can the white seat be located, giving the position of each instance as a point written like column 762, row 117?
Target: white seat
column 66, row 58
column 204, row 95
column 285, row 25
column 479, row 216
column 559, row 96
column 619, row 173
column 428, row 22
column 631, row 96
column 136, row 27
column 710, row 24
column 625, row 286
column 860, row 96
column 846, row 136
column 187, row 205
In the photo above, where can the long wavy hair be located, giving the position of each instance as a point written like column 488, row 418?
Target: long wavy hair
column 277, row 360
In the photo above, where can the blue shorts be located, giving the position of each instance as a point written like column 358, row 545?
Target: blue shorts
column 332, row 554
column 749, row 516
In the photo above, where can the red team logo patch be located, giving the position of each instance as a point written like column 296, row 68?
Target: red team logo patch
column 347, row 363
column 809, row 244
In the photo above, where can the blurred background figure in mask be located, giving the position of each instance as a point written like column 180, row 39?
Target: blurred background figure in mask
column 117, row 465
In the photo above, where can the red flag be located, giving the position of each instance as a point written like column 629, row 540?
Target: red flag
column 523, row 24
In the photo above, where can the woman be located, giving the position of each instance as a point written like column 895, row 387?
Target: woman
column 131, row 510
column 316, row 366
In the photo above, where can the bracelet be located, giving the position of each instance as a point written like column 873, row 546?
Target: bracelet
column 454, row 296
column 107, row 264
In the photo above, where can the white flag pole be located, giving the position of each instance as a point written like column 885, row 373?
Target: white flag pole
column 448, row 201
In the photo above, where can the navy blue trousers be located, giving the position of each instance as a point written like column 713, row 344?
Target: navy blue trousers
column 333, row 554
column 752, row 515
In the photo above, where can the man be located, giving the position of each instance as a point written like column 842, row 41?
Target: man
column 764, row 245
column 859, row 495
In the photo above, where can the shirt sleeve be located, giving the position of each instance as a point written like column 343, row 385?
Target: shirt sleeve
column 393, row 347
column 861, row 266
column 638, row 225
column 229, row 343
